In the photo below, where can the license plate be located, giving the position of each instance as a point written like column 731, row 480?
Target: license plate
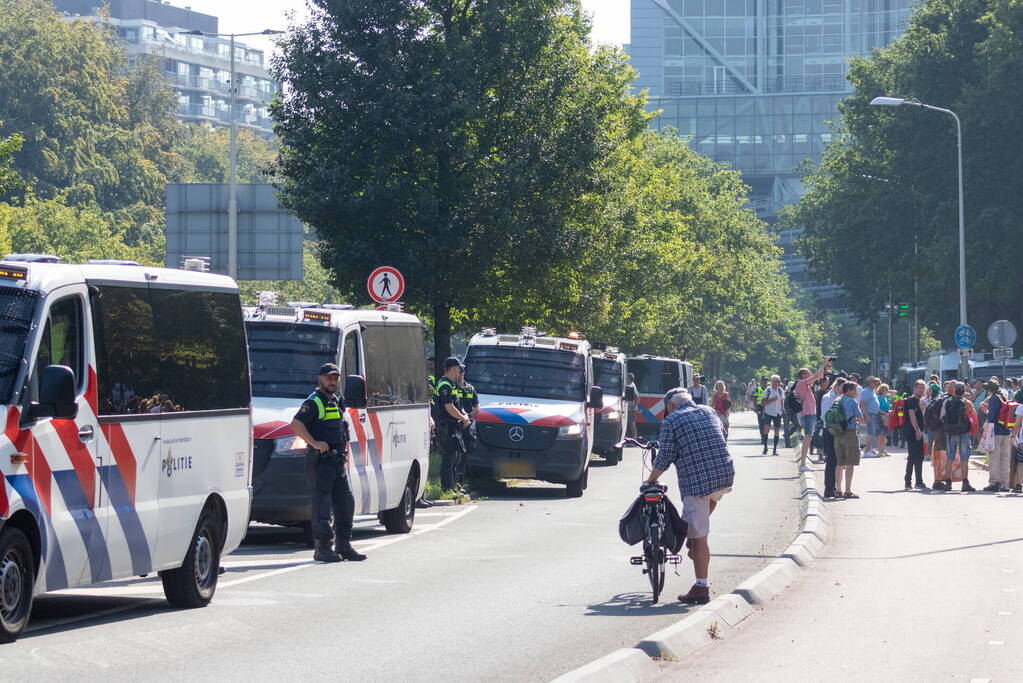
column 516, row 469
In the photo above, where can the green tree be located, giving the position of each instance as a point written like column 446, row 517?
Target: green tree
column 881, row 212
column 204, row 151
column 10, row 179
column 466, row 142
column 91, row 131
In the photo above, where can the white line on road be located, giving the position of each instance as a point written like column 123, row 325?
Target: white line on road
column 996, row 642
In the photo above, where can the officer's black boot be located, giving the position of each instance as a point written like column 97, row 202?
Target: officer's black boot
column 346, row 552
column 324, row 553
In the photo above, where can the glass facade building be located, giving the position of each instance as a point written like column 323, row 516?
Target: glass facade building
column 756, row 83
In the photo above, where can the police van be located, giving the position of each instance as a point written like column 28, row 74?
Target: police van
column 382, row 357
column 126, row 446
column 537, row 402
column 655, row 376
column 613, row 417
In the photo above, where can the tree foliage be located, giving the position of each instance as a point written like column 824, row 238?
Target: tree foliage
column 882, row 210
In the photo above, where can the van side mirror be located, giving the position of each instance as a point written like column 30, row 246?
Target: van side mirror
column 56, row 395
column 596, row 398
column 355, row 391
column 630, row 393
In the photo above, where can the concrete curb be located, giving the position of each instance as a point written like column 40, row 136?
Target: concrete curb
column 721, row 616
column 627, row 665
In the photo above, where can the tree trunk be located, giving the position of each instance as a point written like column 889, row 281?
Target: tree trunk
column 441, row 335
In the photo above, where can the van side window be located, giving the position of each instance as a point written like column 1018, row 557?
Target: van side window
column 62, row 343
column 162, row 350
column 200, row 337
column 380, row 388
column 350, row 354
column 408, row 362
column 126, row 353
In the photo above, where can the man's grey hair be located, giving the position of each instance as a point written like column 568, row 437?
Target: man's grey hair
column 678, row 397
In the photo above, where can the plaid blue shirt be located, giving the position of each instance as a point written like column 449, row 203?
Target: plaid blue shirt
column 692, row 440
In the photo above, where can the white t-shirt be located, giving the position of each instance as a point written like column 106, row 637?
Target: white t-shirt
column 1019, row 416
column 775, row 407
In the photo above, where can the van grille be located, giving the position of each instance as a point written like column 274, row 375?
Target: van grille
column 498, row 435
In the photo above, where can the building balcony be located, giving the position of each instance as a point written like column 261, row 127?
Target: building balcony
column 771, row 85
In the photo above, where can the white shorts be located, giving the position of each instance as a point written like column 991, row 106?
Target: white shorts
column 696, row 512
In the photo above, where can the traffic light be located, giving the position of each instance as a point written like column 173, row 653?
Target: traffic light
column 904, row 310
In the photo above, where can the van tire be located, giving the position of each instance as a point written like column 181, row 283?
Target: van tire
column 574, row 489
column 193, row 583
column 399, row 520
column 17, row 577
column 614, row 457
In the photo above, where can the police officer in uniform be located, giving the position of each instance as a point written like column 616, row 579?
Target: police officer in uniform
column 320, row 423
column 450, row 419
column 469, row 402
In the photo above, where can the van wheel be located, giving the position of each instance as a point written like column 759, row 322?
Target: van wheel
column 575, row 488
column 194, row 582
column 399, row 520
column 614, row 457
column 17, row 575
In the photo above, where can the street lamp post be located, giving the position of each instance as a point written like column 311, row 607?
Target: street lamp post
column 232, row 192
column 964, row 366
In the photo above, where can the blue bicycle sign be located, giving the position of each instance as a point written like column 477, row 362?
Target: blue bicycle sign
column 965, row 336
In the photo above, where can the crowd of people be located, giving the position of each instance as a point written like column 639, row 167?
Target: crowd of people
column 842, row 417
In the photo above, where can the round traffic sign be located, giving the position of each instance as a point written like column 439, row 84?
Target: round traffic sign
column 1001, row 334
column 385, row 285
column 965, row 336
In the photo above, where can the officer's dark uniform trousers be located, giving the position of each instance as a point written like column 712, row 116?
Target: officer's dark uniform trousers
column 328, row 478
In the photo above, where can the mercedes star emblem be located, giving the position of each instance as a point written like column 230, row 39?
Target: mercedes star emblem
column 516, row 434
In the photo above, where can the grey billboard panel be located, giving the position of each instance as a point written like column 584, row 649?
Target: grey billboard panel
column 269, row 238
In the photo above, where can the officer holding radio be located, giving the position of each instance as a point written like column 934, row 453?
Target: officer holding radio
column 320, row 423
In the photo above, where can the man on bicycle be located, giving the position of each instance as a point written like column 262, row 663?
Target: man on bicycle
column 692, row 440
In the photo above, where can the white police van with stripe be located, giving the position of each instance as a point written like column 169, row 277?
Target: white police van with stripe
column 126, row 448
column 383, row 357
column 537, row 404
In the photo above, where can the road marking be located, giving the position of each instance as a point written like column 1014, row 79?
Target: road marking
column 150, row 588
column 1008, row 590
column 996, row 642
column 1005, row 614
column 980, row 680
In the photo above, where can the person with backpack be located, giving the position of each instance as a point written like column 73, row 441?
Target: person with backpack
column 773, row 404
column 830, row 458
column 804, row 405
column 935, row 436
column 914, row 431
column 841, row 421
column 998, row 458
column 955, row 422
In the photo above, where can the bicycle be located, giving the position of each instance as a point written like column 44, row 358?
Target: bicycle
column 656, row 555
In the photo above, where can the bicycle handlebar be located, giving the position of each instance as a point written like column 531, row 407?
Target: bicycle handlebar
column 645, row 445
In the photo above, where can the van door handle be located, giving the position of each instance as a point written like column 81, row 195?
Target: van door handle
column 362, row 418
column 85, row 434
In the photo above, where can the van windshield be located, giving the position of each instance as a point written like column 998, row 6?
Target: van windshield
column 654, row 376
column 285, row 359
column 986, row 372
column 607, row 374
column 527, row 372
column 17, row 310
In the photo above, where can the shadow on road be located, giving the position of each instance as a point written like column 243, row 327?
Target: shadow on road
column 930, row 552
column 638, row 605
column 58, row 613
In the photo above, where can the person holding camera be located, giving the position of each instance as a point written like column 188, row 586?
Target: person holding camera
column 808, row 402
column 320, row 423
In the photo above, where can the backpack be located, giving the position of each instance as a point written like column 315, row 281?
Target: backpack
column 955, row 421
column 897, row 416
column 834, row 420
column 1007, row 414
column 932, row 416
column 792, row 402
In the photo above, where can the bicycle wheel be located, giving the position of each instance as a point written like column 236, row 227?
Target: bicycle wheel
column 655, row 567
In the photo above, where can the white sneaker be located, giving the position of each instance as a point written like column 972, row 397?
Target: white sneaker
column 869, row 454
column 806, row 468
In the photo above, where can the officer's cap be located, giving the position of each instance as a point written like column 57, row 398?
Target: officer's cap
column 329, row 369
column 452, row 362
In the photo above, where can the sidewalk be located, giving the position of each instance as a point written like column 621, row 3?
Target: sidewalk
column 913, row 586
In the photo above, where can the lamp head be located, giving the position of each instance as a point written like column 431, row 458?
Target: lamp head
column 887, row 101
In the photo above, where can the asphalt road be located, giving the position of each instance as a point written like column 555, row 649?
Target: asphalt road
column 523, row 585
column 913, row 586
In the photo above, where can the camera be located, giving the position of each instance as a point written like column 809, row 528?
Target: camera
column 831, row 359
